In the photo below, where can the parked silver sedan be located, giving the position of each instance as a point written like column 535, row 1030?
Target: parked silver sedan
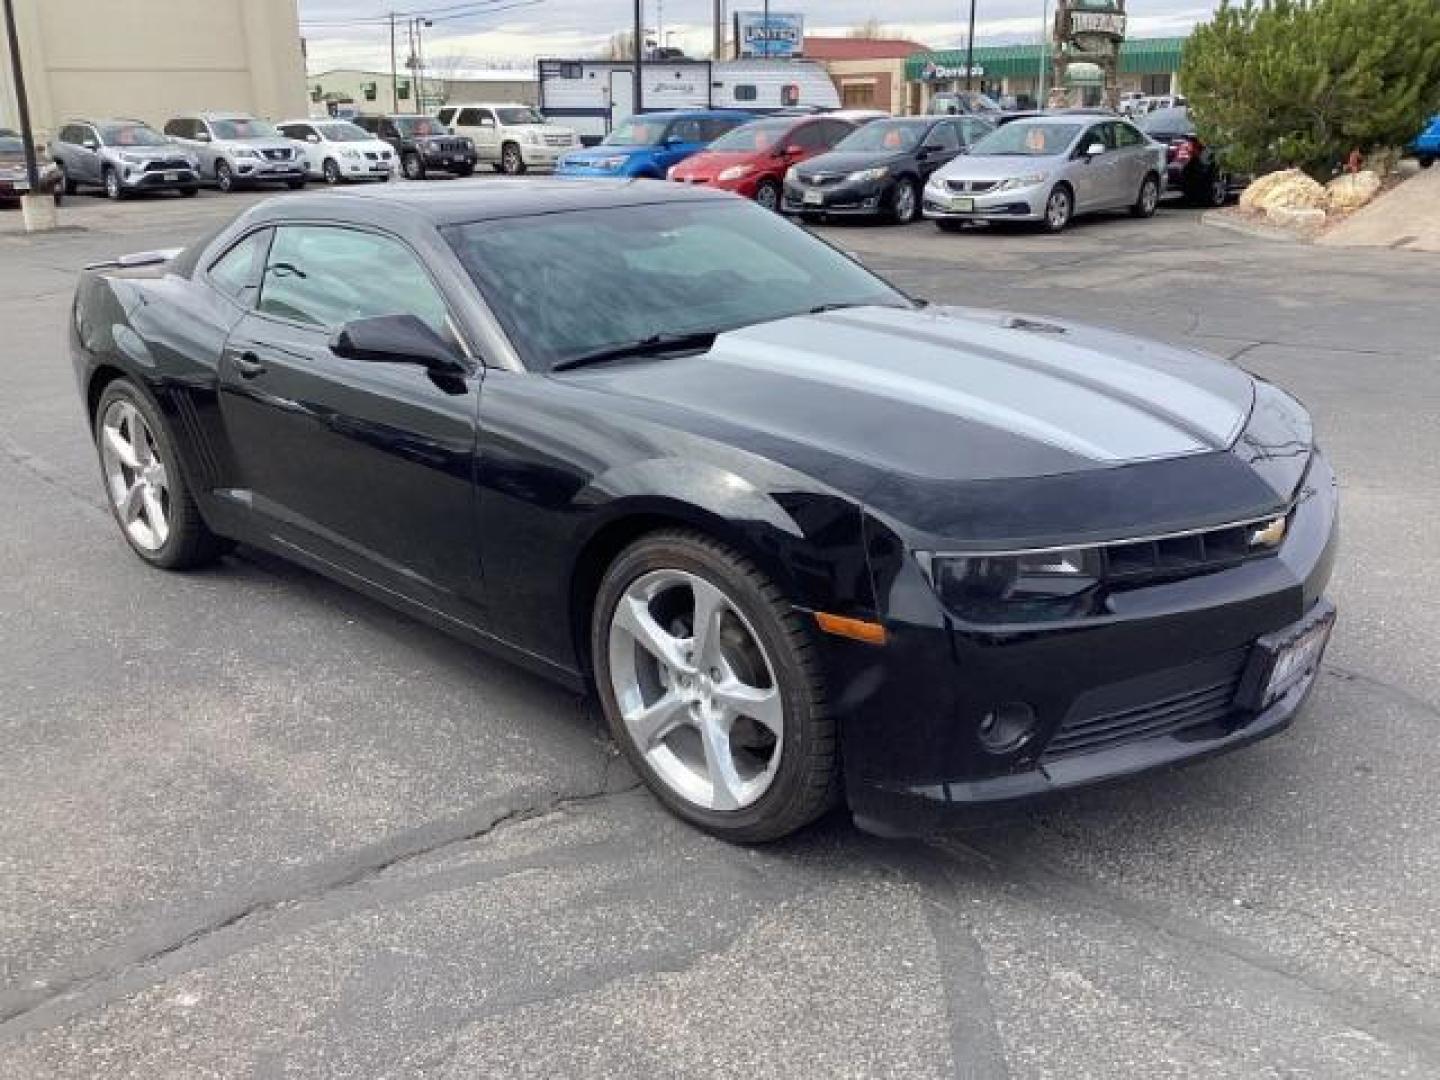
column 1048, row 169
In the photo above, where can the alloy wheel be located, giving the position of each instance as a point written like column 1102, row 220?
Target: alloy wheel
column 331, row 171
column 135, row 476
column 1149, row 197
column 696, row 691
column 511, row 163
column 412, row 167
column 224, row 177
column 767, row 196
column 112, row 184
column 905, row 202
column 1219, row 190
column 1057, row 210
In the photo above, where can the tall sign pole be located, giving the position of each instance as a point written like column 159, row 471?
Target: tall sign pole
column 970, row 49
column 22, row 103
column 639, row 55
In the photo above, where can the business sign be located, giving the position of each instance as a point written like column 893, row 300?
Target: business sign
column 933, row 72
column 1103, row 24
column 778, row 37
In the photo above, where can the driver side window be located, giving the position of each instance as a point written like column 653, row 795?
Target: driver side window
column 327, row 275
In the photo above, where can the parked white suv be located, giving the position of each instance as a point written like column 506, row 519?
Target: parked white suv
column 337, row 150
column 510, row 138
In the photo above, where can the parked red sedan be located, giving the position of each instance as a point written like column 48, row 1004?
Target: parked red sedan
column 752, row 160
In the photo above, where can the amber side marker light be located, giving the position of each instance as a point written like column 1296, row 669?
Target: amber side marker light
column 855, row 629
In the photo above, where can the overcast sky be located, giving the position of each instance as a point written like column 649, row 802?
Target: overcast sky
column 516, row 34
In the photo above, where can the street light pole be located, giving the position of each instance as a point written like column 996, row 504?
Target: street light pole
column 639, row 49
column 970, row 49
column 22, row 103
column 1044, row 49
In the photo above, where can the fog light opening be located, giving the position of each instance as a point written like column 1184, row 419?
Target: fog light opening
column 1007, row 727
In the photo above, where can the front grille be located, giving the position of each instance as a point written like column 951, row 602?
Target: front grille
column 823, row 179
column 1103, row 719
column 276, row 155
column 1179, row 556
column 173, row 165
column 970, row 186
column 557, row 140
column 448, row 146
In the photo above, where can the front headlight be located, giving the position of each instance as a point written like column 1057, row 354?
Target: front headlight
column 866, row 175
column 354, row 155
column 735, row 172
column 792, row 175
column 1025, row 587
column 1016, row 182
column 134, row 159
column 533, row 138
column 244, row 153
column 192, row 160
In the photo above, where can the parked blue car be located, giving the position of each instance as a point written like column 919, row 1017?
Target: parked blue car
column 1426, row 146
column 649, row 144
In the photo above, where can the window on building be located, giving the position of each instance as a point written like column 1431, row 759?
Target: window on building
column 326, row 276
column 370, row 90
column 572, row 71
column 316, row 93
column 746, row 92
column 403, row 93
column 1155, row 85
column 858, row 95
column 790, row 95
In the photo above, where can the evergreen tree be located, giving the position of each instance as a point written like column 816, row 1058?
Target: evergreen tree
column 1303, row 82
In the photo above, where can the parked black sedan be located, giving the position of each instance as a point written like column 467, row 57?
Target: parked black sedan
column 1194, row 169
column 881, row 169
column 806, row 538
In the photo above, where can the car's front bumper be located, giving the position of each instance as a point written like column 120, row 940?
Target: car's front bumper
column 143, row 178
column 857, row 198
column 543, row 157
column 251, row 170
column 1019, row 204
column 1159, row 685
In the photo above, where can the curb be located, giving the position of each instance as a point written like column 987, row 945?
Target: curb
column 1220, row 220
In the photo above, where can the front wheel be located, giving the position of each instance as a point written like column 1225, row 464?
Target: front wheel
column 114, row 189
column 712, row 689
column 145, row 484
column 512, row 162
column 67, row 182
column 224, row 177
column 413, row 167
column 904, row 202
column 1148, row 199
column 1058, row 210
column 330, row 172
column 767, row 195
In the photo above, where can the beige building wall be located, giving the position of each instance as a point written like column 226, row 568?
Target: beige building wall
column 870, row 84
column 154, row 59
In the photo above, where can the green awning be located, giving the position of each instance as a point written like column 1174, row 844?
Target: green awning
column 1142, row 56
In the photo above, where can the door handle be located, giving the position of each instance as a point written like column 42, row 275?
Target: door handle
column 249, row 365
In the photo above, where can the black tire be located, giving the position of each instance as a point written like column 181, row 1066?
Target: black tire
column 330, row 172
column 224, row 176
column 512, row 161
column 190, row 192
column 497, row 167
column 1148, row 199
column 110, row 181
column 190, row 543
column 904, row 202
column 295, row 185
column 950, row 225
column 1426, row 160
column 767, row 195
column 1059, row 208
column 67, row 184
column 806, row 782
column 413, row 166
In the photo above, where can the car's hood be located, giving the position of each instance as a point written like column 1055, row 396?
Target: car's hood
column 901, row 408
column 713, row 162
column 150, row 153
column 257, row 144
column 999, row 167
column 848, row 161
column 599, row 153
column 543, row 129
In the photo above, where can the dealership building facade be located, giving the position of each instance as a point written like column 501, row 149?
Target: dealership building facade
column 153, row 59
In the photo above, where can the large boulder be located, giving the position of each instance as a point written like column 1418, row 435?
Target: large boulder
column 1351, row 191
column 1289, row 189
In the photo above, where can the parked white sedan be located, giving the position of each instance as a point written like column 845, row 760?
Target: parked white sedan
column 337, row 150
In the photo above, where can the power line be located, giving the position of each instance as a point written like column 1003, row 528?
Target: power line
column 450, row 11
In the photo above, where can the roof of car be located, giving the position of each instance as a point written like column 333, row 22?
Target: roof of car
column 461, row 201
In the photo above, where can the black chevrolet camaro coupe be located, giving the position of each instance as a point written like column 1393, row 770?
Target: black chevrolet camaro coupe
column 808, row 539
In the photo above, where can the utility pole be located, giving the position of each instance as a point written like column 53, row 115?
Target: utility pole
column 970, row 49
column 765, row 33
column 1044, row 59
column 639, row 55
column 420, row 25
column 22, row 102
column 719, row 46
column 394, row 74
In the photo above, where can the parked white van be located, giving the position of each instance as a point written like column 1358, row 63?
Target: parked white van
column 509, row 138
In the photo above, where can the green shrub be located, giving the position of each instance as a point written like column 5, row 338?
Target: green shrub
column 1304, row 82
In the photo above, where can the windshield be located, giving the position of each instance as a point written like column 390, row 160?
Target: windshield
column 243, row 129
column 131, row 135
column 636, row 132
column 343, row 133
column 884, row 135
column 1026, row 140
column 519, row 115
column 764, row 135
column 568, row 284
column 421, row 127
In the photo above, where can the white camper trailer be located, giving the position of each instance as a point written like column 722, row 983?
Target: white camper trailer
column 592, row 96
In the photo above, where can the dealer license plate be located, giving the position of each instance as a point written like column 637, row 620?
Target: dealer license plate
column 171, row 177
column 814, row 198
column 1287, row 658
column 959, row 202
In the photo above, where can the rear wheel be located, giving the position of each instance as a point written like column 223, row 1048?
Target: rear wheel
column 1426, row 160
column 1148, row 199
column 767, row 195
column 146, row 485
column 710, row 683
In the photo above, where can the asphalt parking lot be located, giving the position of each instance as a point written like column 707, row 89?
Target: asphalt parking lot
column 254, row 825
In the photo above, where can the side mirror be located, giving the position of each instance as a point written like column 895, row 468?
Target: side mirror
column 90, row 144
column 1095, row 149
column 934, row 148
column 396, row 339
